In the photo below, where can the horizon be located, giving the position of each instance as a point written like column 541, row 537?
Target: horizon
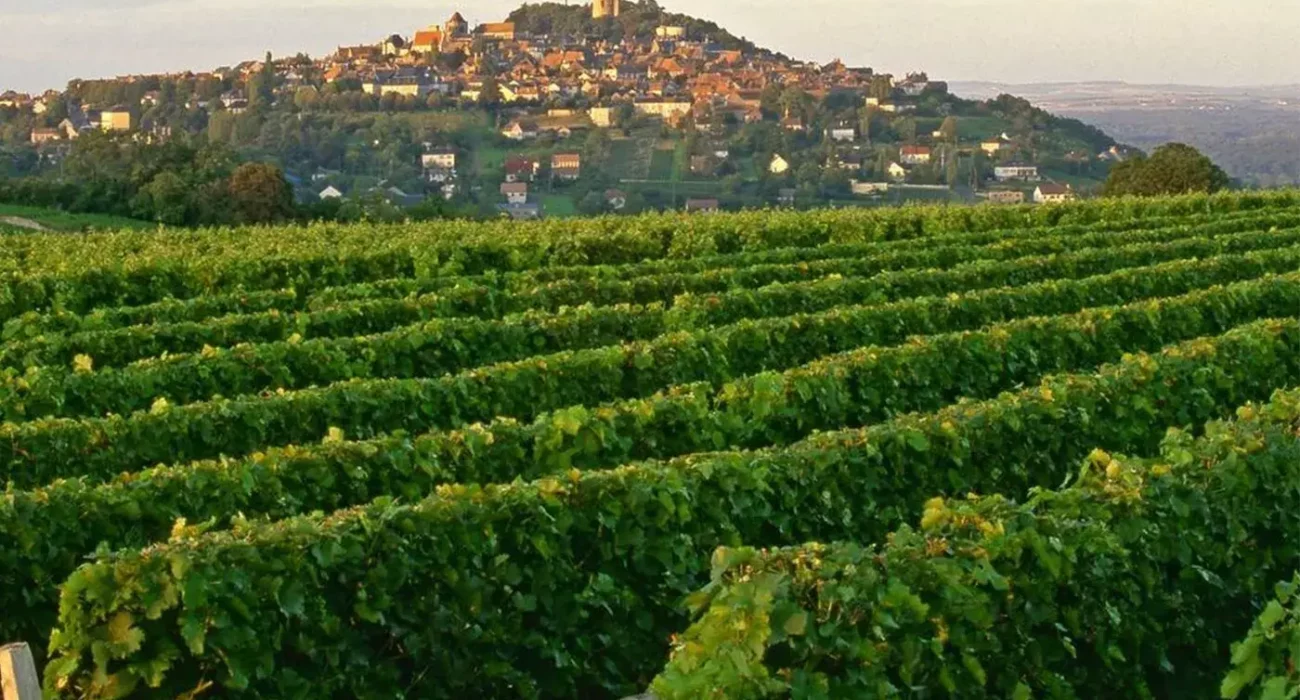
column 36, row 60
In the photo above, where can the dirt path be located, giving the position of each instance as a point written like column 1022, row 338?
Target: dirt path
column 22, row 223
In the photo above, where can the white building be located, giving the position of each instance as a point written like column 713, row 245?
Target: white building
column 1010, row 173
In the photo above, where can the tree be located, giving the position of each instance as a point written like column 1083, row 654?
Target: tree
column 905, row 129
column 306, row 98
column 592, row 204
column 259, row 194
column 165, row 200
column 948, row 130
column 490, row 96
column 1173, row 168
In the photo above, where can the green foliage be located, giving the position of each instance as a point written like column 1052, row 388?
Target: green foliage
column 492, row 459
column 568, row 585
column 1172, row 169
column 430, row 348
column 1132, row 579
column 259, row 194
column 838, row 391
column 56, row 271
column 43, row 449
column 1264, row 663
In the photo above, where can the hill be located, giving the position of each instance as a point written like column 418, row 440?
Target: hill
column 324, row 461
column 648, row 111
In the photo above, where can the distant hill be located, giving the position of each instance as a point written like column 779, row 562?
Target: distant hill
column 1253, row 132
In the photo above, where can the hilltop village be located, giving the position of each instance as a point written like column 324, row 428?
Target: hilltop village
column 604, row 108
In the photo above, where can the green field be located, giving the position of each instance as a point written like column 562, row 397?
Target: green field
column 559, row 205
column 55, row 220
column 663, row 164
column 916, row 448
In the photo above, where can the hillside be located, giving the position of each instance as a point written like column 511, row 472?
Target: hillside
column 325, row 461
column 1251, row 132
column 550, row 113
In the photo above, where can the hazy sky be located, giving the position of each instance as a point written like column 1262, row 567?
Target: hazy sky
column 1218, row 42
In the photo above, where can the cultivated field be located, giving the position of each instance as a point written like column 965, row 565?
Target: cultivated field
column 582, row 458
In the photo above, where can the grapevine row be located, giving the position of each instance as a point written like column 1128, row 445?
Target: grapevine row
column 68, row 272
column 568, row 586
column 854, row 389
column 484, row 342
column 1139, row 562
column 43, row 450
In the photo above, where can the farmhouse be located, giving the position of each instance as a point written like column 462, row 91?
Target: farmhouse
column 515, row 192
column 1052, row 193
column 915, row 155
column 566, row 166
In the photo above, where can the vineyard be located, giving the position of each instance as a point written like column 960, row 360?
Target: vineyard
column 1009, row 452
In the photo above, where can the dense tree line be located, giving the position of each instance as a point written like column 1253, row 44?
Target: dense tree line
column 180, row 182
column 636, row 20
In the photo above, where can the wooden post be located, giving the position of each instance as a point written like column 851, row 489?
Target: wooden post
column 18, row 676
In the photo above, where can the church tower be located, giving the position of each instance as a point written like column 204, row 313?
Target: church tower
column 600, row 9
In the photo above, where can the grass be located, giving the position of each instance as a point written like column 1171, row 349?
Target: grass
column 662, row 164
column 972, row 128
column 56, row 220
column 559, row 205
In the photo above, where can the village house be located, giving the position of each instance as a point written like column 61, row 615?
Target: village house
column 996, row 145
column 444, row 158
column 1052, row 193
column 601, row 116
column 330, row 192
column 521, row 169
column 1010, row 173
column 515, row 192
column 1005, row 197
column 40, row 136
column 915, row 155
column 779, row 165
column 842, row 133
column 897, row 172
column 520, row 130
column 566, row 166
column 116, row 119
column 667, row 109
column 616, row 200
column 427, row 41
column 500, row 31
column 868, row 189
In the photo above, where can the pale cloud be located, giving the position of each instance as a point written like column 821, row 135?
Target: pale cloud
column 1223, row 42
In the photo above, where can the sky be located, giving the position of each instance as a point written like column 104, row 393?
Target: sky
column 1194, row 42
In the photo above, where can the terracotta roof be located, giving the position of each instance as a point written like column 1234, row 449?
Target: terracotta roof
column 427, row 38
column 1053, row 188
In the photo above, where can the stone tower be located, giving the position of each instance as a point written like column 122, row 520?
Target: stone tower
column 601, row 9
